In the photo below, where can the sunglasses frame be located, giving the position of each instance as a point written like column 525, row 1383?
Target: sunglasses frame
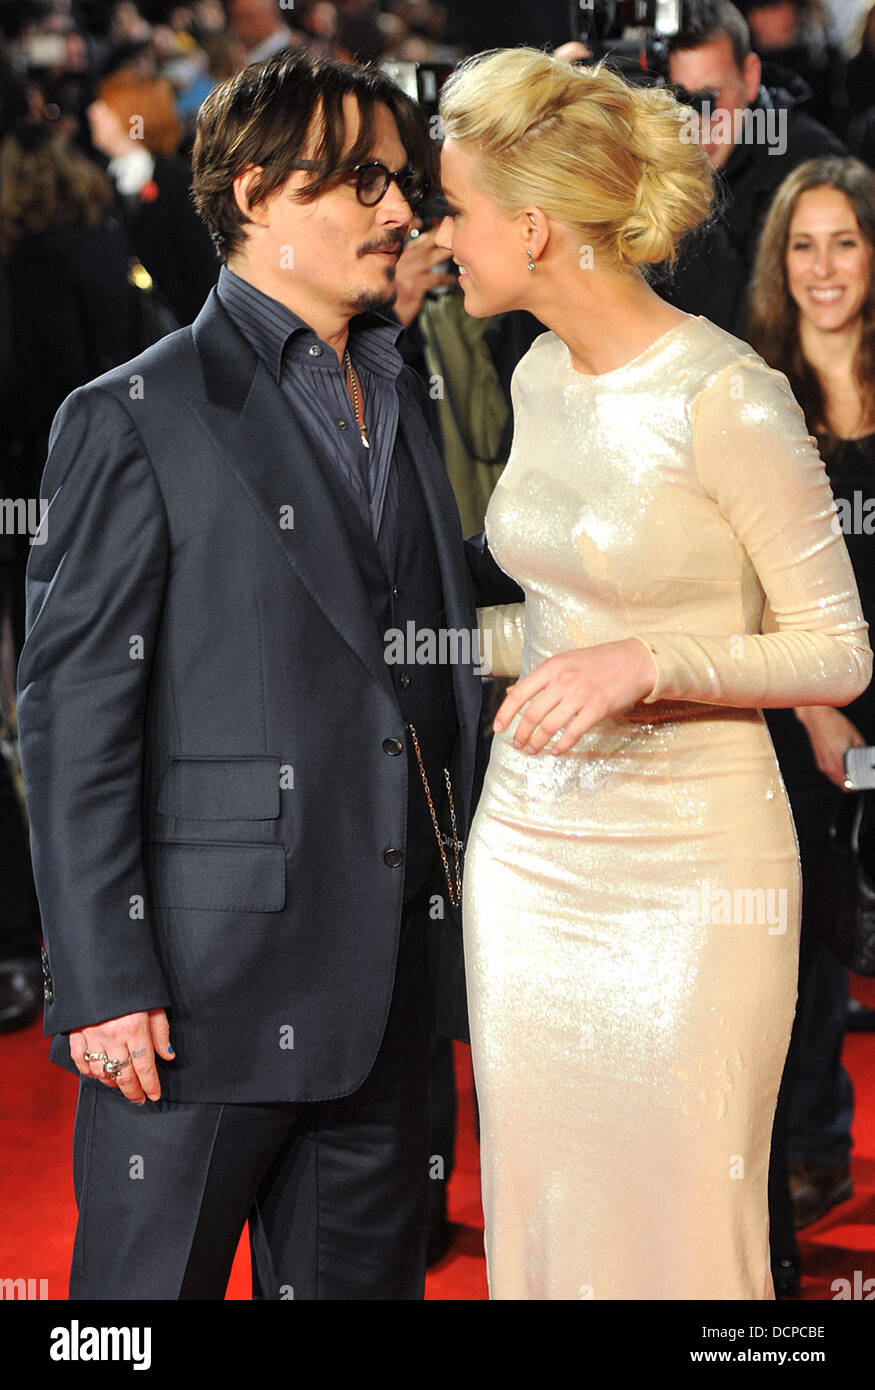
column 356, row 173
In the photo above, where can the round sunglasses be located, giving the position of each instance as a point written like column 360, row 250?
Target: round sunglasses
column 372, row 181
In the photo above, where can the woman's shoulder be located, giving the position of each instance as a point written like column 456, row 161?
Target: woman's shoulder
column 715, row 349
column 721, row 364
column 538, row 364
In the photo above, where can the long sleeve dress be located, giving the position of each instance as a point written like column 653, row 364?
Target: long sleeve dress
column 631, row 907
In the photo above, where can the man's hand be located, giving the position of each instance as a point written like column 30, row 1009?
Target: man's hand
column 575, row 690
column 414, row 275
column 830, row 733
column 134, row 1040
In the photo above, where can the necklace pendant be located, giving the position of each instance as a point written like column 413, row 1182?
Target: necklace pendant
column 364, row 440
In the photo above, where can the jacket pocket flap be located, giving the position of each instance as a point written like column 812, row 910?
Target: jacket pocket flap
column 221, row 789
column 204, row 877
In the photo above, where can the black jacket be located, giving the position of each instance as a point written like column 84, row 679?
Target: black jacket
column 72, row 316
column 170, row 239
column 715, row 266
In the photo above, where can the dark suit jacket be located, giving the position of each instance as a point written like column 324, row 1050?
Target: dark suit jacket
column 203, row 705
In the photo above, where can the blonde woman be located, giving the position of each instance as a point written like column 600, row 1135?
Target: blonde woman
column 632, row 882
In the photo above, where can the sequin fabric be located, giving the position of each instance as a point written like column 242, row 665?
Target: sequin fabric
column 631, row 908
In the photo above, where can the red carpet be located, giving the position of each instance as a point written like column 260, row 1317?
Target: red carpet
column 37, row 1101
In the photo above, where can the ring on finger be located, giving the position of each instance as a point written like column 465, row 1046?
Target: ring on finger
column 112, row 1066
column 94, row 1056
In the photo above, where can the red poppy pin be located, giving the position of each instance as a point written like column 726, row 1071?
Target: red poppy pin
column 149, row 191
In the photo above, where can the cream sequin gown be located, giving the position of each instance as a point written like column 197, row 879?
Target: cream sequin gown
column 631, row 908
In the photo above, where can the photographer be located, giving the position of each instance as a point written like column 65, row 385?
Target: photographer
column 711, row 58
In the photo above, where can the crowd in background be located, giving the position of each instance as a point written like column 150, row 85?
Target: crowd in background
column 101, row 251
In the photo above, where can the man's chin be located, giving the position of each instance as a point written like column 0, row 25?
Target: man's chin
column 369, row 301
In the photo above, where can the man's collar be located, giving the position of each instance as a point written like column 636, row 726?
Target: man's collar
column 277, row 323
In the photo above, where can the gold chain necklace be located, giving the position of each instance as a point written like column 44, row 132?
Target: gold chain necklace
column 457, row 844
column 353, row 381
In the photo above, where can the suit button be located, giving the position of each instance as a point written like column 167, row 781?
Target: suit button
column 393, row 747
column 396, row 592
column 394, row 858
column 404, row 680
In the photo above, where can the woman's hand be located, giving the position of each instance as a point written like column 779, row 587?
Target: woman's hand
column 576, row 689
column 830, row 733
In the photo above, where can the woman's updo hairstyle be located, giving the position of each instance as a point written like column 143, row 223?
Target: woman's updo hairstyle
column 597, row 154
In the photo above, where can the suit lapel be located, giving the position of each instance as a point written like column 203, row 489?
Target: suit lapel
column 259, row 439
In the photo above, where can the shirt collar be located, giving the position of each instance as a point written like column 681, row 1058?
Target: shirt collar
column 269, row 326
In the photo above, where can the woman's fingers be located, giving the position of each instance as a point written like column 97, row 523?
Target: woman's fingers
column 517, row 695
column 543, row 715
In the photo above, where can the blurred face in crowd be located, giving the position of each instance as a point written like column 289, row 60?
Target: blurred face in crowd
column 487, row 246
column 773, row 26
column 829, row 261
column 712, row 67
column 252, row 21
column 108, row 134
column 333, row 254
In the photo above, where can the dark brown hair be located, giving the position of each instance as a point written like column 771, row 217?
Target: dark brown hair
column 262, row 116
column 773, row 315
column 707, row 20
column 45, row 182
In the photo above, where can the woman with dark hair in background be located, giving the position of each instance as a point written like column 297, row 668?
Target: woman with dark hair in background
column 134, row 122
column 812, row 316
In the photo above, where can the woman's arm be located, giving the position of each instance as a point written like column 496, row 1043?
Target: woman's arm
column 502, row 633
column 756, row 460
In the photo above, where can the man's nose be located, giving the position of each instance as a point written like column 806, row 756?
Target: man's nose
column 393, row 206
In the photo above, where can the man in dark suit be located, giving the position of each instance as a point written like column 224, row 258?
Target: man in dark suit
column 232, row 840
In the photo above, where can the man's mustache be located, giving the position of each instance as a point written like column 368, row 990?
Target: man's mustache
column 394, row 244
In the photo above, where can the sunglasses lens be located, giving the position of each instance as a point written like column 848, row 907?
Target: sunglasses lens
column 411, row 189
column 372, row 184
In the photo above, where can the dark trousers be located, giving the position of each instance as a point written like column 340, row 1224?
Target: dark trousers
column 814, row 1082
column 822, row 1101
column 336, row 1191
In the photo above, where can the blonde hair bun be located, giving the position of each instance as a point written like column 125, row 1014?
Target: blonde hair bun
column 614, row 162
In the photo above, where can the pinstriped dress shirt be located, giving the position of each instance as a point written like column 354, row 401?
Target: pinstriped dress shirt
column 307, row 371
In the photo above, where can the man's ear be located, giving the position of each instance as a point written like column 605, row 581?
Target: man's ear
column 244, row 184
column 751, row 72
